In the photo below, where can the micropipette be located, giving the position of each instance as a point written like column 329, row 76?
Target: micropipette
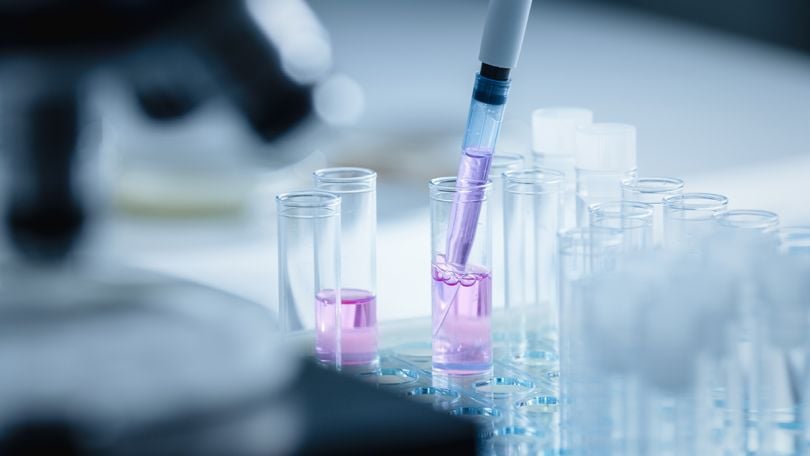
column 500, row 48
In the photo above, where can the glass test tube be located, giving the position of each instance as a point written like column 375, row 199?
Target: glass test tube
column 653, row 191
column 582, row 251
column 605, row 156
column 531, row 220
column 309, row 268
column 634, row 220
column 772, row 382
column 553, row 146
column 358, row 216
column 501, row 163
column 461, row 296
column 689, row 218
column 794, row 242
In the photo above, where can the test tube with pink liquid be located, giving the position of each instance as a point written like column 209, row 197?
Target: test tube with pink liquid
column 461, row 294
column 358, row 273
column 309, row 269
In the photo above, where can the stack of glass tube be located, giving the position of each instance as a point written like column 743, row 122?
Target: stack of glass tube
column 666, row 322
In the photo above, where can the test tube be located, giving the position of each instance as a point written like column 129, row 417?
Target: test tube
column 689, row 218
column 461, row 295
column 794, row 243
column 358, row 215
column 582, row 251
column 634, row 220
column 605, row 156
column 309, row 269
column 501, row 163
column 771, row 379
column 531, row 220
column 653, row 191
column 782, row 352
column 553, row 146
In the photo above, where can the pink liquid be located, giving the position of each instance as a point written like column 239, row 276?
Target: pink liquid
column 472, row 171
column 462, row 332
column 358, row 325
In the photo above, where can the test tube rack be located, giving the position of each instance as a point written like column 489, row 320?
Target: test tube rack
column 515, row 406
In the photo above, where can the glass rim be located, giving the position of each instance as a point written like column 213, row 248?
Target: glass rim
column 448, row 184
column 643, row 211
column 671, row 184
column 508, row 159
column 748, row 218
column 535, row 175
column 362, row 175
column 628, row 224
column 308, row 199
column 692, row 202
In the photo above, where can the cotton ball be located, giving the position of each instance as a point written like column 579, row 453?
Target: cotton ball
column 785, row 297
column 669, row 342
column 611, row 318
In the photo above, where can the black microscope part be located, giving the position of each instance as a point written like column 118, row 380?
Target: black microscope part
column 70, row 40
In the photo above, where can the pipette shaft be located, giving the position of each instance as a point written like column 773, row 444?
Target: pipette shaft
column 500, row 47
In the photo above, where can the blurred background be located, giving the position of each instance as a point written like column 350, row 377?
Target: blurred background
column 113, row 156
column 719, row 91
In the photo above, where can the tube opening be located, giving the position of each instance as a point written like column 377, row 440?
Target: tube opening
column 308, row 204
column 654, row 185
column 695, row 206
column 533, row 181
column 748, row 219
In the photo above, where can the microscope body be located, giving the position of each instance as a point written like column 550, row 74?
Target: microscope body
column 174, row 54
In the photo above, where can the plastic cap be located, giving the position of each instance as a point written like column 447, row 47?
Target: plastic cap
column 606, row 147
column 503, row 32
column 554, row 129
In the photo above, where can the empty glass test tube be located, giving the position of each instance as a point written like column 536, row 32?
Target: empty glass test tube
column 309, row 268
column 689, row 218
column 582, row 251
column 553, row 146
column 500, row 164
column 531, row 219
column 461, row 295
column 771, row 377
column 358, row 217
column 605, row 156
column 653, row 191
column 634, row 220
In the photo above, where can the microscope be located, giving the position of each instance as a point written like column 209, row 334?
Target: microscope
column 173, row 54
column 133, row 362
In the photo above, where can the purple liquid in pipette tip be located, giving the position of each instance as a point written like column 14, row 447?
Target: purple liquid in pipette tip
column 462, row 331
column 358, row 328
column 472, row 171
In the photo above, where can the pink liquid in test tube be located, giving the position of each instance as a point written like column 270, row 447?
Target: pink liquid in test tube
column 462, row 333
column 358, row 326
